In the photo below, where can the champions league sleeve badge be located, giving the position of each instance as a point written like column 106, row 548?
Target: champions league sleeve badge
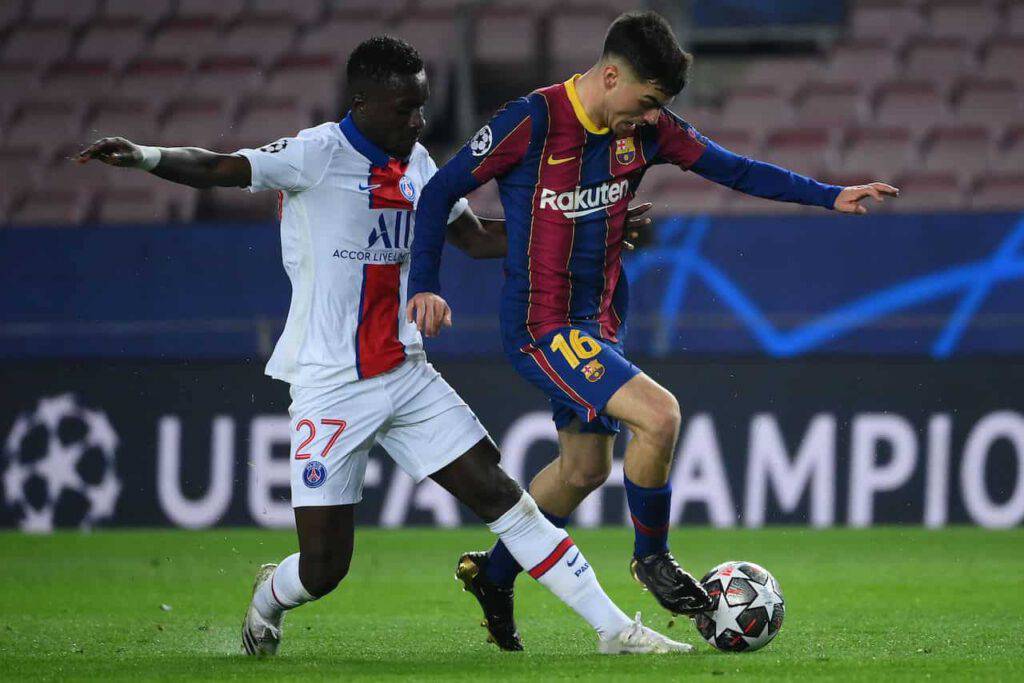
column 481, row 142
column 314, row 475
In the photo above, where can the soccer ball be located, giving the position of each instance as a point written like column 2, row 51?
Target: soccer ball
column 748, row 607
column 59, row 466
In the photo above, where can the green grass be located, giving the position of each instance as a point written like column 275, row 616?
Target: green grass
column 862, row 605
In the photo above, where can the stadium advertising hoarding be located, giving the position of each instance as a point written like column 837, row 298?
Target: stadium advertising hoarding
column 815, row 442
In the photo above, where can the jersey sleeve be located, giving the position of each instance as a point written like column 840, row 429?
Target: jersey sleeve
column 460, row 205
column 679, row 143
column 494, row 151
column 292, row 164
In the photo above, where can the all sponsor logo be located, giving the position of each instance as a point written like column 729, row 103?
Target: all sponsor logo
column 584, row 201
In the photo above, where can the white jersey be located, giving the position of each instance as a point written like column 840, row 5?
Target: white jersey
column 347, row 216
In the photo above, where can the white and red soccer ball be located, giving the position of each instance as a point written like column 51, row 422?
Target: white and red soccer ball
column 748, row 607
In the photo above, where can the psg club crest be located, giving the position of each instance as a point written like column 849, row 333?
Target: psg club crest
column 593, row 371
column 407, row 188
column 314, row 475
column 625, row 151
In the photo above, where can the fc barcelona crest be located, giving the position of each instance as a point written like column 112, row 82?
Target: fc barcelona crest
column 625, row 151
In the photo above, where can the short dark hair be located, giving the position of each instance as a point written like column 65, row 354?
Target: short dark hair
column 646, row 42
column 380, row 59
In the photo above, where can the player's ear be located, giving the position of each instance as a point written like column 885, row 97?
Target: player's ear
column 610, row 75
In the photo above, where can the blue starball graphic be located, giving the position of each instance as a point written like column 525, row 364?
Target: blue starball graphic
column 677, row 254
column 314, row 475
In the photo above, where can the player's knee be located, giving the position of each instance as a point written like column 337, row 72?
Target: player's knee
column 587, row 478
column 662, row 424
column 321, row 572
column 498, row 497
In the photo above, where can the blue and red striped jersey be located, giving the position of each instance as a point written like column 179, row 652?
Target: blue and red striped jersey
column 565, row 185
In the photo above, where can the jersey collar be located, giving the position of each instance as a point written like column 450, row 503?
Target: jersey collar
column 375, row 154
column 577, row 106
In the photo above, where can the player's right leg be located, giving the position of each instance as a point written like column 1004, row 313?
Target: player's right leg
column 332, row 431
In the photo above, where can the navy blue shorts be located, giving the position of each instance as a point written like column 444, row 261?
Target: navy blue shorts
column 579, row 373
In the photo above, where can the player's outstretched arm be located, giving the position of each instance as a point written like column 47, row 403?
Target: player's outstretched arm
column 185, row 165
column 848, row 201
column 478, row 237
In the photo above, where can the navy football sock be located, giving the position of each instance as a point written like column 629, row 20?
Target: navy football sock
column 649, row 510
column 502, row 569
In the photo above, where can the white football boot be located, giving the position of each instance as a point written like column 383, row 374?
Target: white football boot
column 261, row 637
column 638, row 639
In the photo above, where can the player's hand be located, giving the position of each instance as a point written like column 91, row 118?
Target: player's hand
column 113, row 151
column 430, row 312
column 849, row 199
column 636, row 221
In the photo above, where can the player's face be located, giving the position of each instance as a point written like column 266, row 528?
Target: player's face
column 632, row 102
column 391, row 115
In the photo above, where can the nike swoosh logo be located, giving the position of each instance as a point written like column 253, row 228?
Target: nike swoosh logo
column 573, row 560
column 585, row 212
column 552, row 161
column 367, row 188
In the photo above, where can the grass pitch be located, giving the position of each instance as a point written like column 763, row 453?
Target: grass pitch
column 894, row 603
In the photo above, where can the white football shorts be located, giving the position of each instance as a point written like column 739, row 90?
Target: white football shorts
column 410, row 411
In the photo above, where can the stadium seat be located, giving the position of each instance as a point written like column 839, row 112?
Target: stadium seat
column 1004, row 58
column 264, row 38
column 785, row 73
column 939, row 60
column 989, row 103
column 156, row 80
column 926, row 192
column 51, row 207
column 999, row 192
column 339, row 36
column 115, row 42
column 188, row 40
column 135, row 119
column 135, row 205
column 46, row 123
column 802, row 149
column 758, row 107
column 39, row 43
column 17, row 80
column 1011, row 150
column 298, row 11
column 432, row 36
column 226, row 77
column 738, row 140
column 917, row 105
column 69, row 13
column 264, row 120
column 239, row 204
column 831, row 104
column 222, row 11
column 874, row 151
column 575, row 40
column 505, row 37
column 964, row 150
column 64, row 172
column 379, row 9
column 1014, row 22
column 314, row 80
column 78, row 81
column 10, row 13
column 890, row 20
column 181, row 198
column 147, row 12
column 20, row 166
column 970, row 21
column 674, row 192
column 195, row 122
column 866, row 61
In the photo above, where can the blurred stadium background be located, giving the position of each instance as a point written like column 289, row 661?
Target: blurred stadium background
column 832, row 370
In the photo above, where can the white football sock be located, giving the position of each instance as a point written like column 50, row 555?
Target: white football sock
column 284, row 591
column 550, row 556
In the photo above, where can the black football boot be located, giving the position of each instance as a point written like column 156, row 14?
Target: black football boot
column 496, row 601
column 674, row 589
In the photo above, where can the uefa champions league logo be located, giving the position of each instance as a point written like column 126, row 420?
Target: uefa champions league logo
column 481, row 142
column 59, row 466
